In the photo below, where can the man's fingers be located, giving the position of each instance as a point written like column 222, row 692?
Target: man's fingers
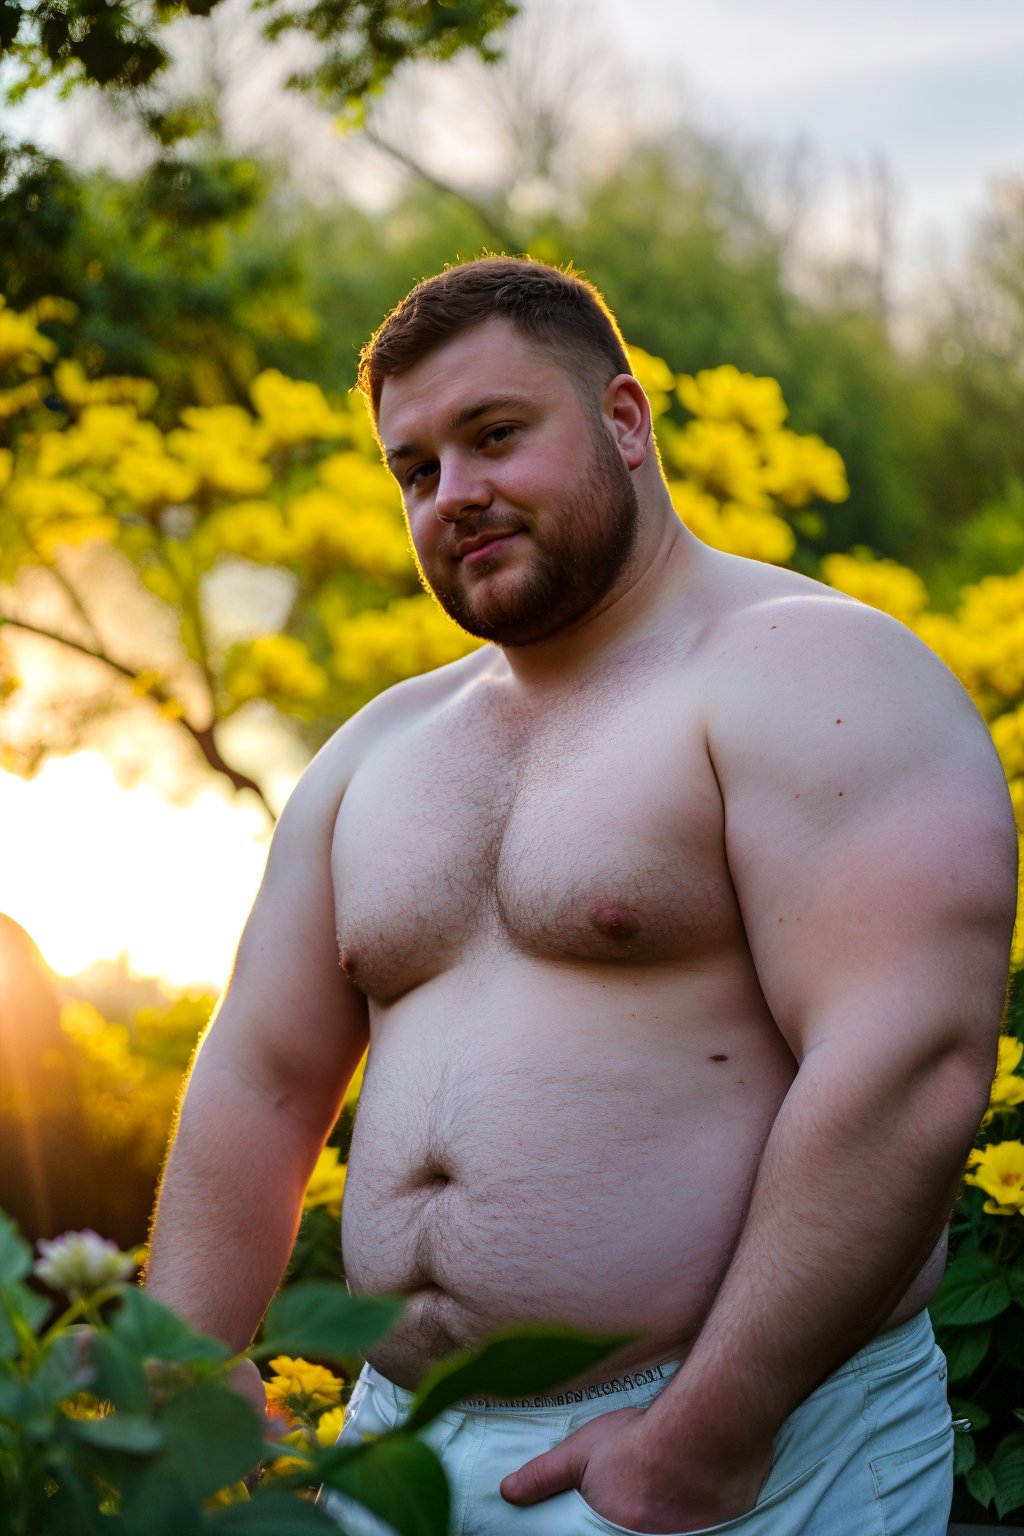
column 545, row 1475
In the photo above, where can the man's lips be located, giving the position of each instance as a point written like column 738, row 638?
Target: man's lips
column 472, row 550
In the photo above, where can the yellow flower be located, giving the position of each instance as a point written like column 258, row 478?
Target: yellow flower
column 328, row 1426
column 20, row 342
column 301, row 1387
column 725, row 394
column 224, row 453
column 276, row 665
column 76, row 390
column 722, row 459
column 6, row 466
column 1007, row 1089
column 655, row 378
column 21, row 398
column 334, row 530
column 153, row 479
column 999, row 1171
column 797, row 468
column 411, row 635
column 236, row 1493
column 755, row 534
column 255, row 530
column 294, row 411
column 327, row 1183
column 881, row 583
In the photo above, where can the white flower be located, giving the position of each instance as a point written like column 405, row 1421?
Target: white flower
column 81, row 1262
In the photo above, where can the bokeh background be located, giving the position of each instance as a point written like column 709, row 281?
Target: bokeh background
column 810, row 223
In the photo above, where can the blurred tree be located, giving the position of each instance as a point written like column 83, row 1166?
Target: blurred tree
column 122, row 45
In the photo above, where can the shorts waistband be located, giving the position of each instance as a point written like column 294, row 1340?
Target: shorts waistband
column 628, row 1382
column 897, row 1344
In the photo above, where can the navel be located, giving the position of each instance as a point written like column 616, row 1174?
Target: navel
column 614, row 920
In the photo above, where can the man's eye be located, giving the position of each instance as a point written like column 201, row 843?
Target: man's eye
column 497, row 435
column 419, row 473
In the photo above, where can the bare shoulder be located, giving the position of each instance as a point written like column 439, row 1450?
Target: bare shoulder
column 790, row 649
column 320, row 791
column 813, row 694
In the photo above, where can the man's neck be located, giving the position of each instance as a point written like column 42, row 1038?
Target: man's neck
column 636, row 607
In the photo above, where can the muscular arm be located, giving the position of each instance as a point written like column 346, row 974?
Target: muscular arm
column 266, row 1086
column 871, row 845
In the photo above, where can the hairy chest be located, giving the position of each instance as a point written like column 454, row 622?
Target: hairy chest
column 596, row 836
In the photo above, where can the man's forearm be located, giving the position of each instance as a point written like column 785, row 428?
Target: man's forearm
column 855, row 1185
column 229, row 1205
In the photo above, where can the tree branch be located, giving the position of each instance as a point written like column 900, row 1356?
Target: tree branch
column 203, row 738
column 504, row 236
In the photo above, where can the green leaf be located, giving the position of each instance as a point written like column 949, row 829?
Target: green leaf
column 71, row 1509
column 517, row 1363
column 1015, row 1277
column 153, row 1502
column 18, row 1302
column 128, row 1432
column 965, row 1454
column 963, row 1408
column 213, row 1437
column 965, row 1349
column 320, row 1318
column 154, row 1332
column 1008, row 1471
column 119, row 1377
column 975, row 1288
column 981, row 1485
column 271, row 1514
column 15, row 1253
column 397, row 1478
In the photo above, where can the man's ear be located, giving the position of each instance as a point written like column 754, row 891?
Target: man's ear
column 625, row 406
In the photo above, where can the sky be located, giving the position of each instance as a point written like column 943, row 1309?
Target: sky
column 935, row 89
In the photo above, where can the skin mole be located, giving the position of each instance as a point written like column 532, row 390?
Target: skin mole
column 718, row 1058
column 615, row 920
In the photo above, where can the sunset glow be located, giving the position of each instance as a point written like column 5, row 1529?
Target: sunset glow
column 94, row 871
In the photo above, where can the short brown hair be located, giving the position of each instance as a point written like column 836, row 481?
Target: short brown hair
column 561, row 312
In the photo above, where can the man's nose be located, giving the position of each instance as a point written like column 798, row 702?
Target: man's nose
column 461, row 489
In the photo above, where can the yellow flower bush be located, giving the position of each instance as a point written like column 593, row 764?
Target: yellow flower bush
column 274, row 666
column 881, row 583
column 129, row 1076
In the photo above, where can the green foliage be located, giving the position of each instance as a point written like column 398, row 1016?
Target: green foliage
column 119, row 45
column 979, row 1322
column 159, row 1434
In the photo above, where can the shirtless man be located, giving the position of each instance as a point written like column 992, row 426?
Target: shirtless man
column 676, row 920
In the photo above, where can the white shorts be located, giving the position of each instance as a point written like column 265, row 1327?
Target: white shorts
column 870, row 1453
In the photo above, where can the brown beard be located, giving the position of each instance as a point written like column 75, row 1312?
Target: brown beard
column 584, row 553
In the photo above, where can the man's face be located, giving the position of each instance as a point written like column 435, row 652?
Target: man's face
column 520, row 506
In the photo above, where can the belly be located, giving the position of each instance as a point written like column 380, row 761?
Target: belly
column 563, row 1144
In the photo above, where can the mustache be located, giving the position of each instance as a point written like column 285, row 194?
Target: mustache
column 463, row 532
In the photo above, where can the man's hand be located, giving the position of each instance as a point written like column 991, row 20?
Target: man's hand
column 611, row 1462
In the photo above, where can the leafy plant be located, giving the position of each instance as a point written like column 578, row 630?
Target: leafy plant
column 979, row 1311
column 116, row 1418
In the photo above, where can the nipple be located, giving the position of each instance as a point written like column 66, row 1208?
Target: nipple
column 347, row 961
column 614, row 920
